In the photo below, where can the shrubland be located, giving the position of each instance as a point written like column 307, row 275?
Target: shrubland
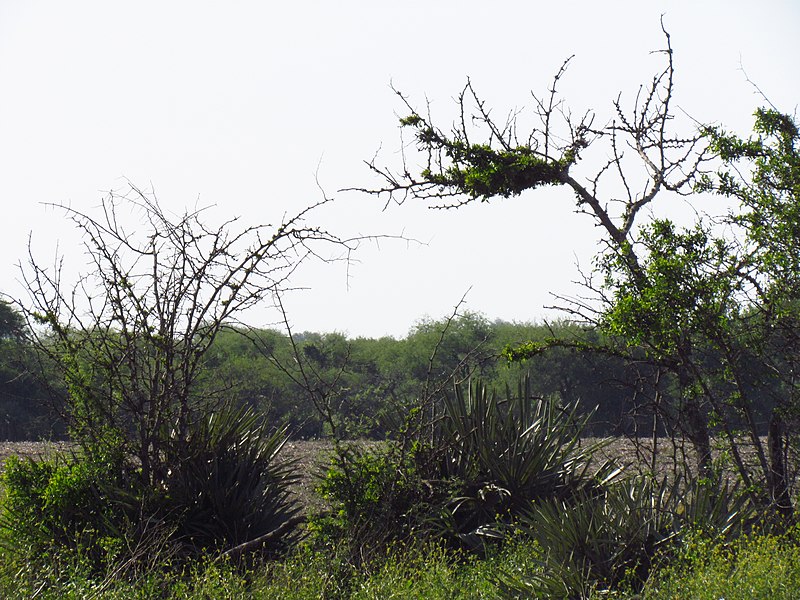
column 460, row 461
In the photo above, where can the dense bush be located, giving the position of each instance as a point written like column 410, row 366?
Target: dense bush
column 479, row 462
column 68, row 504
column 376, row 496
column 228, row 487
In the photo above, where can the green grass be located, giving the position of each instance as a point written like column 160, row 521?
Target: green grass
column 429, row 573
column 753, row 567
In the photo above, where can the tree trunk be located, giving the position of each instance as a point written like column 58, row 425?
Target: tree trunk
column 699, row 436
column 695, row 424
column 777, row 481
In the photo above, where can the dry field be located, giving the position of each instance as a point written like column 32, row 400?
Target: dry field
column 311, row 457
column 31, row 449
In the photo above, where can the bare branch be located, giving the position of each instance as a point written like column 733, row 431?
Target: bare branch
column 131, row 335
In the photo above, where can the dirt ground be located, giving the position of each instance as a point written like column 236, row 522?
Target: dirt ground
column 312, row 456
column 31, row 449
column 310, row 459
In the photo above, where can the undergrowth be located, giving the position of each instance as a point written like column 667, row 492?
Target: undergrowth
column 757, row 566
column 501, row 501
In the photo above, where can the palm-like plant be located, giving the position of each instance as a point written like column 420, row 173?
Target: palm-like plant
column 228, row 485
column 608, row 537
column 507, row 453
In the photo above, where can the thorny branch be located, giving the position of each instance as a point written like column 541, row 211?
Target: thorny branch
column 457, row 170
column 131, row 334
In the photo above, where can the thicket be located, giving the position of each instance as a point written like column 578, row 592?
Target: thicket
column 373, row 376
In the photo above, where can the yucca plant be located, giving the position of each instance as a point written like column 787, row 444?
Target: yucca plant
column 719, row 508
column 227, row 484
column 507, row 453
column 593, row 540
column 609, row 538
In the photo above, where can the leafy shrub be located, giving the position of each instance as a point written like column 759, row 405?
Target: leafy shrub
column 376, row 497
column 63, row 504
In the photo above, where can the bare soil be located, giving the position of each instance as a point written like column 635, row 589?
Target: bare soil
column 31, row 449
column 311, row 457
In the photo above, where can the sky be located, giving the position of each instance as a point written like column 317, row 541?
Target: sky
column 253, row 108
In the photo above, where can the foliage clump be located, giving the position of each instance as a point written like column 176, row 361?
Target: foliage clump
column 481, row 171
column 474, row 466
column 228, row 487
column 68, row 505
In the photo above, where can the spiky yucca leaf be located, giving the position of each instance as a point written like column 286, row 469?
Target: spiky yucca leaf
column 509, row 452
column 529, row 446
column 228, row 484
column 611, row 537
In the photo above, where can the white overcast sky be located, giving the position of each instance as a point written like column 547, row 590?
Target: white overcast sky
column 237, row 104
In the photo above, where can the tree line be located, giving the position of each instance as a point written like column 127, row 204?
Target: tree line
column 368, row 380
